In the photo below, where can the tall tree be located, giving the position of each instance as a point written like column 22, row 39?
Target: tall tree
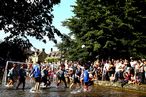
column 23, row 18
column 15, row 51
column 72, row 49
column 110, row 28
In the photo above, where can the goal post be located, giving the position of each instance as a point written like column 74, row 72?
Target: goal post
column 8, row 66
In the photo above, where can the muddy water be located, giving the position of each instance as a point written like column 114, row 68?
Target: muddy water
column 96, row 91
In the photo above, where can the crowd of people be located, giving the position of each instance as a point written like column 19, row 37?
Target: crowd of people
column 124, row 71
column 75, row 74
column 71, row 75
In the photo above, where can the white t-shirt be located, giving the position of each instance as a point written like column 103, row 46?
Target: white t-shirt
column 118, row 67
column 106, row 66
column 133, row 63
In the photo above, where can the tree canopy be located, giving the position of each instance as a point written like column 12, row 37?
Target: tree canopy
column 108, row 28
column 14, row 51
column 23, row 18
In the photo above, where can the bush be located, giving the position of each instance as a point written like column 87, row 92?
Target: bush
column 51, row 59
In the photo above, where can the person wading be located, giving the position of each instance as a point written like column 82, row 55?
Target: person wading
column 22, row 77
column 37, row 76
column 61, row 75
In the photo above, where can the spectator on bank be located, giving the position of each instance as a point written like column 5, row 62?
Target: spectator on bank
column 127, row 78
column 105, row 72
column 111, row 70
column 133, row 64
column 119, row 71
column 144, row 71
column 141, row 71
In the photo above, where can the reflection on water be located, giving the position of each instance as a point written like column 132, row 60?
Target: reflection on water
column 62, row 92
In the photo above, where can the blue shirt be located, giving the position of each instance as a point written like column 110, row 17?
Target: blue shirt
column 86, row 76
column 36, row 71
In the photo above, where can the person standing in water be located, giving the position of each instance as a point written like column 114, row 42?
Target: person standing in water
column 86, row 78
column 22, row 77
column 37, row 76
column 12, row 75
column 61, row 75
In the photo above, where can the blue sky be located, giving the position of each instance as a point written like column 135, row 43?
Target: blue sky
column 61, row 12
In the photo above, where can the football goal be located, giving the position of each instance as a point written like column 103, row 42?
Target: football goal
column 9, row 65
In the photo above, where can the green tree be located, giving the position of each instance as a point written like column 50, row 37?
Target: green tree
column 109, row 28
column 23, row 18
column 51, row 59
column 72, row 50
column 13, row 51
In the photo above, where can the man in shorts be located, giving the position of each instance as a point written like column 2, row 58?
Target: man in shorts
column 61, row 75
column 86, row 78
column 37, row 76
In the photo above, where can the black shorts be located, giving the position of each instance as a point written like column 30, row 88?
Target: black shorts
column 90, row 83
column 11, row 78
column 22, row 79
column 38, row 79
column 76, row 80
column 86, row 83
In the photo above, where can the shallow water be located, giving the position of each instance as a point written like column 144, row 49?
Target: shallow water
column 96, row 91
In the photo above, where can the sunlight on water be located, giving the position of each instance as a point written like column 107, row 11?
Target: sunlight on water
column 62, row 92
column 53, row 91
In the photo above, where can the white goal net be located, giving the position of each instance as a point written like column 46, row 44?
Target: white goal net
column 9, row 65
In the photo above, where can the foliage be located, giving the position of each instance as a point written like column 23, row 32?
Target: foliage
column 13, row 51
column 23, row 18
column 71, row 49
column 108, row 28
column 51, row 59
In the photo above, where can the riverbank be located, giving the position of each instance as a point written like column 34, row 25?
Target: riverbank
column 117, row 85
